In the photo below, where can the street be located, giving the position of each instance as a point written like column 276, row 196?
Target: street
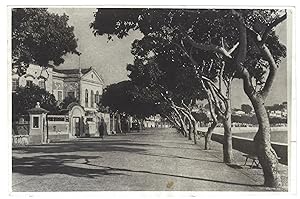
column 150, row 160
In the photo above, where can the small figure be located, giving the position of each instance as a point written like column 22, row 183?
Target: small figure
column 87, row 129
column 102, row 128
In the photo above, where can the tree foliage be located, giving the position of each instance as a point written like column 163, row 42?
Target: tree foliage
column 27, row 97
column 39, row 37
column 125, row 97
column 180, row 46
column 246, row 108
column 216, row 31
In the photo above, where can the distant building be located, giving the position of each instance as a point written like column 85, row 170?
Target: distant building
column 239, row 112
column 155, row 122
column 86, row 85
column 278, row 113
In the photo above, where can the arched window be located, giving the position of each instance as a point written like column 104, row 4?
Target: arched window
column 86, row 98
column 97, row 97
column 92, row 98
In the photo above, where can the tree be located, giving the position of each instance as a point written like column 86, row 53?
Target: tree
column 246, row 108
column 27, row 97
column 163, row 74
column 218, row 33
column 167, row 25
column 125, row 97
column 39, row 37
column 268, row 52
column 201, row 117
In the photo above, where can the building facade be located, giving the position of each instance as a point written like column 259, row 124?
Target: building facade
column 86, row 85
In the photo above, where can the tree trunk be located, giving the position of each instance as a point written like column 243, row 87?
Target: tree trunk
column 173, row 121
column 266, row 154
column 182, row 124
column 194, row 131
column 182, row 127
column 208, row 136
column 190, row 129
column 227, row 141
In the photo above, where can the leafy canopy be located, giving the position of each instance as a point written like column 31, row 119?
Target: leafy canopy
column 125, row 97
column 26, row 98
column 39, row 37
column 163, row 27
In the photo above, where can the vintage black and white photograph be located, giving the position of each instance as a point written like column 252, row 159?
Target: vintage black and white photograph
column 150, row 99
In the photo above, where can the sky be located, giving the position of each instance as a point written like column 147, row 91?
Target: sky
column 110, row 58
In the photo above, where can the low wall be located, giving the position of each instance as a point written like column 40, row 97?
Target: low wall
column 35, row 139
column 20, row 140
column 241, row 129
column 246, row 145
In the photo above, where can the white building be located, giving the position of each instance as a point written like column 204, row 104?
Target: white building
column 86, row 85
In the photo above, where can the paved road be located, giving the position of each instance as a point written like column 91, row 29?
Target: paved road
column 152, row 160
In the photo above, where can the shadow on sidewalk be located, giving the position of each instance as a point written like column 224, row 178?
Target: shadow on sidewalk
column 86, row 146
column 57, row 164
column 173, row 175
column 175, row 157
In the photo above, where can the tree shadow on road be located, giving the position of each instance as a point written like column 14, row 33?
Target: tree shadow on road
column 179, row 157
column 58, row 164
column 86, row 146
column 114, row 169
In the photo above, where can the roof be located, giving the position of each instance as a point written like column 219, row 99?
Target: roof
column 72, row 71
column 37, row 110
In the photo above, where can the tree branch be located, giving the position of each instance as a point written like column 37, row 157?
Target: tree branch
column 215, row 101
column 247, row 83
column 215, row 88
column 271, row 26
column 211, row 109
column 182, row 48
column 207, row 47
column 272, row 73
column 233, row 48
column 173, row 121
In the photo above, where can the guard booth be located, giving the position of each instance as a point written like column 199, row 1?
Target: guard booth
column 38, row 133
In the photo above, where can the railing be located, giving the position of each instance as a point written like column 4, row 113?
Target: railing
column 62, row 118
column 20, row 140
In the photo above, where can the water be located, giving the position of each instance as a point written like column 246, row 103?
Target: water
column 276, row 136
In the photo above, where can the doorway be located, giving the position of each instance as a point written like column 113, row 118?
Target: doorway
column 76, row 126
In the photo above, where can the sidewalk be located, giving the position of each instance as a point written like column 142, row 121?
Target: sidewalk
column 238, row 163
column 150, row 160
